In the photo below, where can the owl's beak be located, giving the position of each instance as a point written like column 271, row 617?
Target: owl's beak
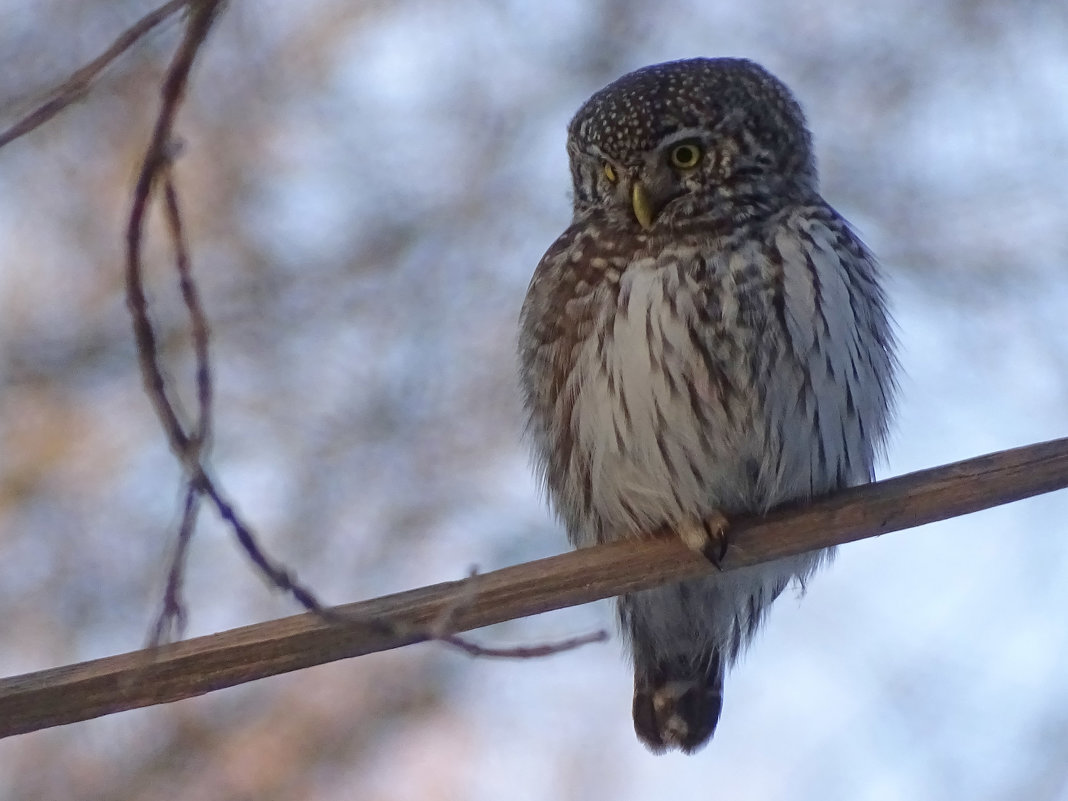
column 644, row 210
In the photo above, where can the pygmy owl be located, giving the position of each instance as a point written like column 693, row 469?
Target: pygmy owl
column 708, row 338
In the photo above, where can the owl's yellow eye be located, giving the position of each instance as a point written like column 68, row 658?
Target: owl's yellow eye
column 685, row 156
column 609, row 173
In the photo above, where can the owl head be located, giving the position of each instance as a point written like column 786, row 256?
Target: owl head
column 689, row 139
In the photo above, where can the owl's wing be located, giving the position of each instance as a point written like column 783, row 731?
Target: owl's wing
column 834, row 398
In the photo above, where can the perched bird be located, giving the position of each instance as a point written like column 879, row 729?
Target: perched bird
column 708, row 339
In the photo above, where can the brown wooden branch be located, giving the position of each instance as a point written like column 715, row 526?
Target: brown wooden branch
column 182, row 670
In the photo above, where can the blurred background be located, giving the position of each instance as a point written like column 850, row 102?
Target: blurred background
column 367, row 188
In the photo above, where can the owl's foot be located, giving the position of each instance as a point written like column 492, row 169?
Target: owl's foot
column 707, row 536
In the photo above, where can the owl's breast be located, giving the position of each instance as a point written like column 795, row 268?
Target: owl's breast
column 662, row 422
column 715, row 375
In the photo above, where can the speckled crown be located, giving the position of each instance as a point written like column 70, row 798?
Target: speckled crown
column 634, row 113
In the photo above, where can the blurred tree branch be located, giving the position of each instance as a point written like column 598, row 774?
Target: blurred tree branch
column 78, row 84
column 190, row 443
column 182, row 670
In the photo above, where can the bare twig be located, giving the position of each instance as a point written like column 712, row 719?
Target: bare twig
column 155, row 166
column 170, row 623
column 81, row 81
column 194, row 667
column 525, row 651
column 156, row 158
column 198, row 320
column 441, row 629
column 274, row 572
column 190, row 447
column 442, row 626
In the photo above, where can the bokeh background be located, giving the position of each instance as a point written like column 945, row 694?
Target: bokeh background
column 367, row 187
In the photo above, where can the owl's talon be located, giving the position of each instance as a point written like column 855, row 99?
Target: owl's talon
column 707, row 536
column 715, row 548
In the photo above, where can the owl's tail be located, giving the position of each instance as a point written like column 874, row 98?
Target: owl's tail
column 677, row 701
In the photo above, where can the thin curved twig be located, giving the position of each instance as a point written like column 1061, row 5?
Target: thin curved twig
column 187, row 447
column 190, row 447
column 81, row 81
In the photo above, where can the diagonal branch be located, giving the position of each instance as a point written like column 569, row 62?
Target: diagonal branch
column 182, row 670
column 81, row 81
